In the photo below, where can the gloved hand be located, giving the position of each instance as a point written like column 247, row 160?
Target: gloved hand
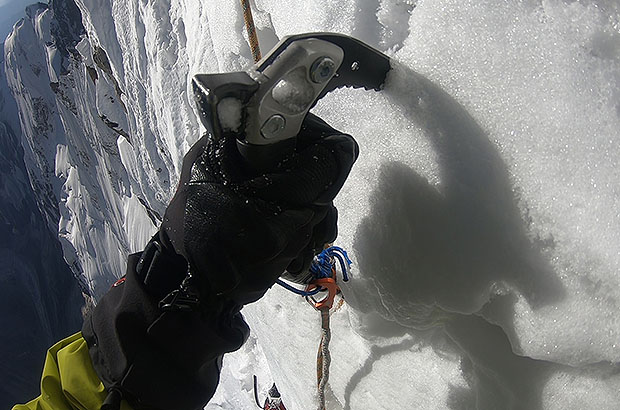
column 236, row 231
column 239, row 230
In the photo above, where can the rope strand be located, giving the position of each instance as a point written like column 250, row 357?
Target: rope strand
column 324, row 358
column 249, row 26
column 323, row 270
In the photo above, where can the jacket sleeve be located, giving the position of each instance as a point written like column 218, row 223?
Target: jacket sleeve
column 69, row 381
column 153, row 343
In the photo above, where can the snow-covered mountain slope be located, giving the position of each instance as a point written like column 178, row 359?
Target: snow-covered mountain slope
column 40, row 299
column 482, row 215
column 75, row 125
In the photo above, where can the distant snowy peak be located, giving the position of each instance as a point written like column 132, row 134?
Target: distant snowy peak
column 33, row 9
column 26, row 63
column 66, row 28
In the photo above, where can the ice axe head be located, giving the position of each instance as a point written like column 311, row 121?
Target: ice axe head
column 264, row 107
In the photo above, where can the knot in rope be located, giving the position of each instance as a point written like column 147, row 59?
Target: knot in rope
column 323, row 270
column 325, row 262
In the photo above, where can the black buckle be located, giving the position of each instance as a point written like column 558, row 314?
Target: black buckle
column 184, row 299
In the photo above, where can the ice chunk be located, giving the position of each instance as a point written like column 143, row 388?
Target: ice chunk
column 229, row 113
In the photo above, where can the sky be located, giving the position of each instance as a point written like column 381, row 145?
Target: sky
column 10, row 12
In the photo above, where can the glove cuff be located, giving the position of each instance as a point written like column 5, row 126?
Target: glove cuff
column 159, row 359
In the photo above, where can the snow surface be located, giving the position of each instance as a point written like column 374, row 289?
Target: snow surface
column 483, row 215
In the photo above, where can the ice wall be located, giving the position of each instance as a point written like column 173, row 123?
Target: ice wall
column 485, row 189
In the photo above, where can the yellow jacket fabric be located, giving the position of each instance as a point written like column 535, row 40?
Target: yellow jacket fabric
column 69, row 381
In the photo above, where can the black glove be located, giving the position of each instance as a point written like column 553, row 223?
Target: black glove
column 239, row 230
column 157, row 337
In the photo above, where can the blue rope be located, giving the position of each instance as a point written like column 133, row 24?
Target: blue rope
column 343, row 258
column 298, row 291
column 322, row 266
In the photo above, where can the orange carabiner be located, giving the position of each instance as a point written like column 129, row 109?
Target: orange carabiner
column 328, row 284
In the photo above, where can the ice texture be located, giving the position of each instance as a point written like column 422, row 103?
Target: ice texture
column 293, row 91
column 482, row 215
column 229, row 111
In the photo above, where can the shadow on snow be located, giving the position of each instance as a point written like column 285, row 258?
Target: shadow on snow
column 452, row 261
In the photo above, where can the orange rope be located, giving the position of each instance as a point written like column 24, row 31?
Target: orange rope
column 323, row 359
column 249, row 25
